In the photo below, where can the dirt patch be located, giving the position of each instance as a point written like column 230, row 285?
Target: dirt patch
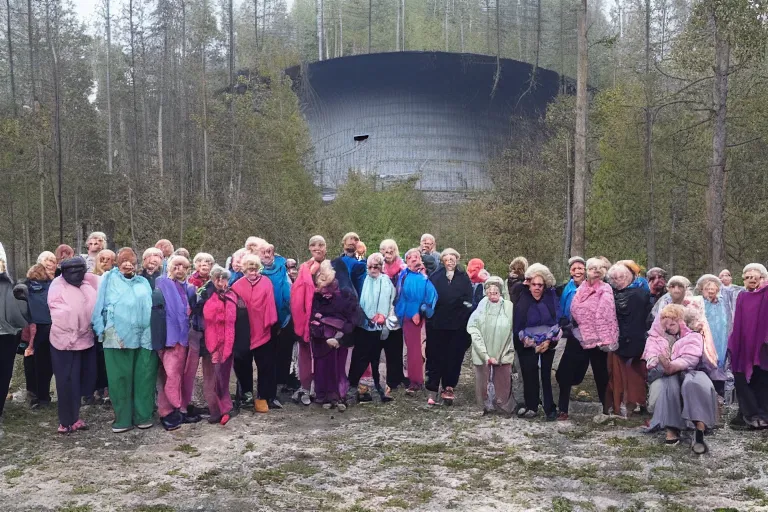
column 399, row 456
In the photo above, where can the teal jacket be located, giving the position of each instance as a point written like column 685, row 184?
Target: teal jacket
column 122, row 312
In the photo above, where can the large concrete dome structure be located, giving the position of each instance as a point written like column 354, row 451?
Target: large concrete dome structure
column 439, row 117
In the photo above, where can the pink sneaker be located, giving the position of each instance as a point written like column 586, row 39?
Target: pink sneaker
column 431, row 401
column 80, row 425
column 64, row 430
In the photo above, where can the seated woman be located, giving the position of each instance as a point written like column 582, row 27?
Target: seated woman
column 685, row 396
column 493, row 353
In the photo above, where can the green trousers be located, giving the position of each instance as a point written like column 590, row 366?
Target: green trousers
column 132, row 377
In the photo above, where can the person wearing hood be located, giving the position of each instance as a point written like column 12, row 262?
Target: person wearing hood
column 686, row 398
column 257, row 293
column 334, row 315
column 355, row 267
column 415, row 303
column 71, row 300
column 38, row 283
column 536, row 334
column 171, row 405
column 282, row 335
column 95, row 243
column 376, row 303
column 493, row 353
column 657, row 283
column 393, row 336
column 748, row 347
column 626, row 370
column 447, row 338
column 594, row 331
column 516, row 282
column 220, row 315
column 477, row 275
column 13, row 318
column 729, row 291
column 121, row 320
column 430, row 256
column 152, row 265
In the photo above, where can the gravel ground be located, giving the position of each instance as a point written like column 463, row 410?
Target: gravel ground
column 398, row 456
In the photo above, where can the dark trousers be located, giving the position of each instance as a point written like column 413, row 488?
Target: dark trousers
column 284, row 340
column 393, row 351
column 529, row 367
column 8, row 344
column 264, row 356
column 367, row 351
column 75, row 372
column 43, row 364
column 573, row 367
column 101, row 370
column 445, row 353
column 29, row 374
column 752, row 395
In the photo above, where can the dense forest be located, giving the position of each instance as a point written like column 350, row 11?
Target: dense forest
column 173, row 118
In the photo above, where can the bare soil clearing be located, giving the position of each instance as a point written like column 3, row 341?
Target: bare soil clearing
column 399, row 456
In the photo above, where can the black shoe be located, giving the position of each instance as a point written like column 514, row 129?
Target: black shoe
column 190, row 418
column 552, row 416
column 40, row 404
column 173, row 421
column 193, row 410
column 738, row 421
column 274, row 404
column 364, row 398
column 698, row 446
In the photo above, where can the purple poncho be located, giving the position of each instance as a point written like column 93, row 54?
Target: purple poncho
column 750, row 332
column 176, row 311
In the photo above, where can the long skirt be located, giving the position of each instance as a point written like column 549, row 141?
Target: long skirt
column 331, row 383
column 132, row 376
column 626, row 381
column 501, row 376
column 683, row 399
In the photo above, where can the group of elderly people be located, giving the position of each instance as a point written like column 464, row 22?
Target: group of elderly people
column 135, row 334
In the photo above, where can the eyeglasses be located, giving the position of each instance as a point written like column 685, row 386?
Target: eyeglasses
column 371, row 267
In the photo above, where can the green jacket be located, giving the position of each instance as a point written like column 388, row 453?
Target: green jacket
column 490, row 327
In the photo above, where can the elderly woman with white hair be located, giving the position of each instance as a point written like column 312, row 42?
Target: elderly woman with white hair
column 430, row 256
column 393, row 344
column 749, row 349
column 717, row 315
column 375, row 302
column 95, row 243
column 447, row 338
column 678, row 287
column 152, row 265
column 729, row 291
column 493, row 353
column 594, row 333
column 626, row 370
column 536, row 334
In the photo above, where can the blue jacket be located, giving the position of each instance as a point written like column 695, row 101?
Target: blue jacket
column 281, row 283
column 122, row 312
column 415, row 294
column 357, row 271
column 38, row 301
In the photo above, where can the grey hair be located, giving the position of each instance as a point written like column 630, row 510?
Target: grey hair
column 218, row 271
column 389, row 243
column 655, row 271
column 203, row 256
column 173, row 261
column 152, row 251
column 597, row 264
column 705, row 279
column 576, row 259
column 618, row 268
column 756, row 266
column 98, row 235
column 45, row 255
column 409, row 251
column 450, row 252
column 317, row 239
column 427, row 236
column 375, row 259
column 537, row 269
column 679, row 281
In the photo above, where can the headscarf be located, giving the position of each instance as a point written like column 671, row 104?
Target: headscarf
column 73, row 271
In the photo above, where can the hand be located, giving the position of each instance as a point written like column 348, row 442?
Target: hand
column 528, row 342
column 492, row 361
column 542, row 348
column 332, row 342
column 664, row 362
column 379, row 319
column 29, row 351
column 416, row 318
column 318, row 315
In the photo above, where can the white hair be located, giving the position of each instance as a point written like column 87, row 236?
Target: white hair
column 679, row 281
column 174, row 260
column 427, row 236
column 706, row 279
column 203, row 256
column 596, row 263
column 537, row 269
column 317, row 239
column 409, row 251
column 389, row 243
column 375, row 258
column 152, row 251
column 46, row 255
column 758, row 267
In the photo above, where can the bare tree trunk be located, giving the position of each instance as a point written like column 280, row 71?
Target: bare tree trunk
column 488, row 25
column 41, row 176
column 578, row 245
column 10, row 60
column 31, row 59
column 402, row 31
column 650, row 232
column 136, row 150
column 57, row 121
column 206, row 193
column 397, row 27
column 497, row 75
column 461, row 25
column 717, row 176
column 319, row 5
column 108, row 22
column 445, row 29
column 130, row 213
column 256, row 22
column 370, row 14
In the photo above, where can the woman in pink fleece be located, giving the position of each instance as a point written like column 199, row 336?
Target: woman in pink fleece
column 71, row 299
column 684, row 396
column 594, row 333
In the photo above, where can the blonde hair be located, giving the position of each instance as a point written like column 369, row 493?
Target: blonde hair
column 673, row 312
column 250, row 260
column 46, row 255
column 389, row 243
column 325, row 274
column 537, row 269
column 348, row 236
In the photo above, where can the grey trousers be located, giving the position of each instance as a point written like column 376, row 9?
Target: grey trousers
column 683, row 399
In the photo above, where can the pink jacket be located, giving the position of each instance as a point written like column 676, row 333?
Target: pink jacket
column 220, row 316
column 71, row 310
column 686, row 353
column 594, row 310
column 262, row 312
column 302, row 292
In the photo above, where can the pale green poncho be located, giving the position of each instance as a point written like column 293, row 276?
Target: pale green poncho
column 490, row 327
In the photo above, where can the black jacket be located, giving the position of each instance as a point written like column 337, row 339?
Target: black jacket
column 451, row 312
column 515, row 286
column 632, row 308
